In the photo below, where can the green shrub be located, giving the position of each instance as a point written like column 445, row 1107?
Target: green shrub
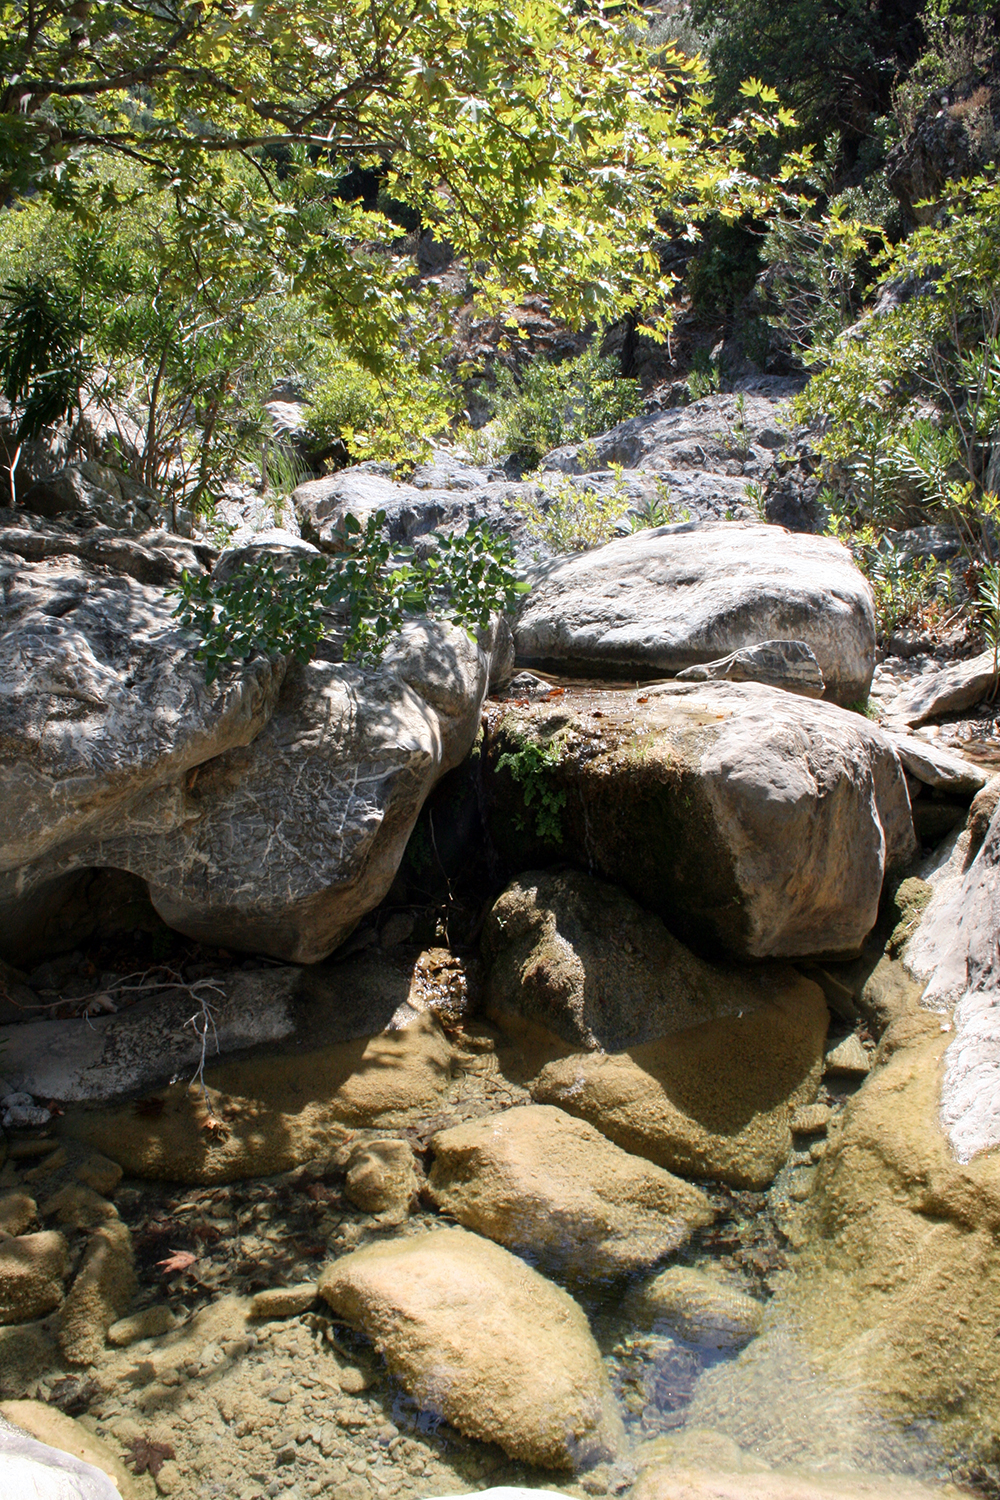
column 546, row 405
column 575, row 517
column 531, row 766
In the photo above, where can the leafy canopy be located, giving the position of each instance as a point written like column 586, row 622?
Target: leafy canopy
column 541, row 140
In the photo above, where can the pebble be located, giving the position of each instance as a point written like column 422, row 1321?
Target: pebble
column 284, row 1301
column 148, row 1324
column 848, row 1059
column 282, row 1394
column 812, row 1119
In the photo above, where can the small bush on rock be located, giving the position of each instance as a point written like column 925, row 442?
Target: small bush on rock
column 286, row 607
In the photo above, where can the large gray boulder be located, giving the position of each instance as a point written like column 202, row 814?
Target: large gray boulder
column 748, row 818
column 679, row 596
column 269, row 811
column 578, row 958
column 720, row 433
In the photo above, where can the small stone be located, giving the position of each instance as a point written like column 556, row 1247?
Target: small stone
column 353, row 1381
column 20, row 1112
column 812, row 1119
column 52, row 1163
column 353, row 1489
column 285, row 1455
column 348, row 1418
column 697, row 1308
column 847, row 1059
column 818, row 1150
column 802, row 1186
column 99, row 1173
column 148, row 1324
column 282, row 1394
column 17, row 1212
column 284, row 1301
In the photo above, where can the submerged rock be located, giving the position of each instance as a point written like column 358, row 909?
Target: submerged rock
column 382, row 1179
column 553, row 1189
column 699, row 1309
column 579, row 958
column 658, row 1483
column 476, row 1335
column 712, row 1101
column 678, row 596
column 271, row 1110
column 32, row 1268
column 742, row 815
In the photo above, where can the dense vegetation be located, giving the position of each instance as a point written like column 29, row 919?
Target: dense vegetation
column 201, row 200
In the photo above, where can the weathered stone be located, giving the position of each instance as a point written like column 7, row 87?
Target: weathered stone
column 284, row 1301
column 46, row 1424
column 698, row 1484
column 847, row 1059
column 32, row 1267
column 381, row 1179
column 955, row 950
column 696, row 1308
column 938, row 768
column 935, row 694
column 581, row 959
column 38, row 1471
column 679, row 596
column 475, row 1334
column 100, row 1295
column 791, row 665
column 714, row 1101
column 553, row 1189
column 259, row 821
column 813, row 1119
column 18, row 1212
column 150, row 1323
column 742, row 815
column 898, row 1276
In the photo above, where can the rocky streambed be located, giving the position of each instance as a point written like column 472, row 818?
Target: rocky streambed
column 562, row 1059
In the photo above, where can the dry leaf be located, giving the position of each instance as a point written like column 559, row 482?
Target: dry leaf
column 146, row 1455
column 177, row 1260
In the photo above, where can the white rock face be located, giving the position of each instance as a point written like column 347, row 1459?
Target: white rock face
column 680, row 596
column 33, row 1471
column 269, row 811
column 955, row 948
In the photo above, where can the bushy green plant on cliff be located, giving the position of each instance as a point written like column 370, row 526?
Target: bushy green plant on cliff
column 281, row 606
column 531, row 766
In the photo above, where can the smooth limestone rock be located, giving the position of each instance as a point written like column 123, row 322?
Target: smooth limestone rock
column 46, row 1424
column 578, row 958
column 791, row 665
column 938, row 768
column 679, row 596
column 954, row 950
column 744, row 816
column 935, row 694
column 713, row 1101
column 284, row 1301
column 269, row 811
column 473, row 1333
column 31, row 1470
column 898, row 1276
column 553, row 1189
column 699, row 1309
